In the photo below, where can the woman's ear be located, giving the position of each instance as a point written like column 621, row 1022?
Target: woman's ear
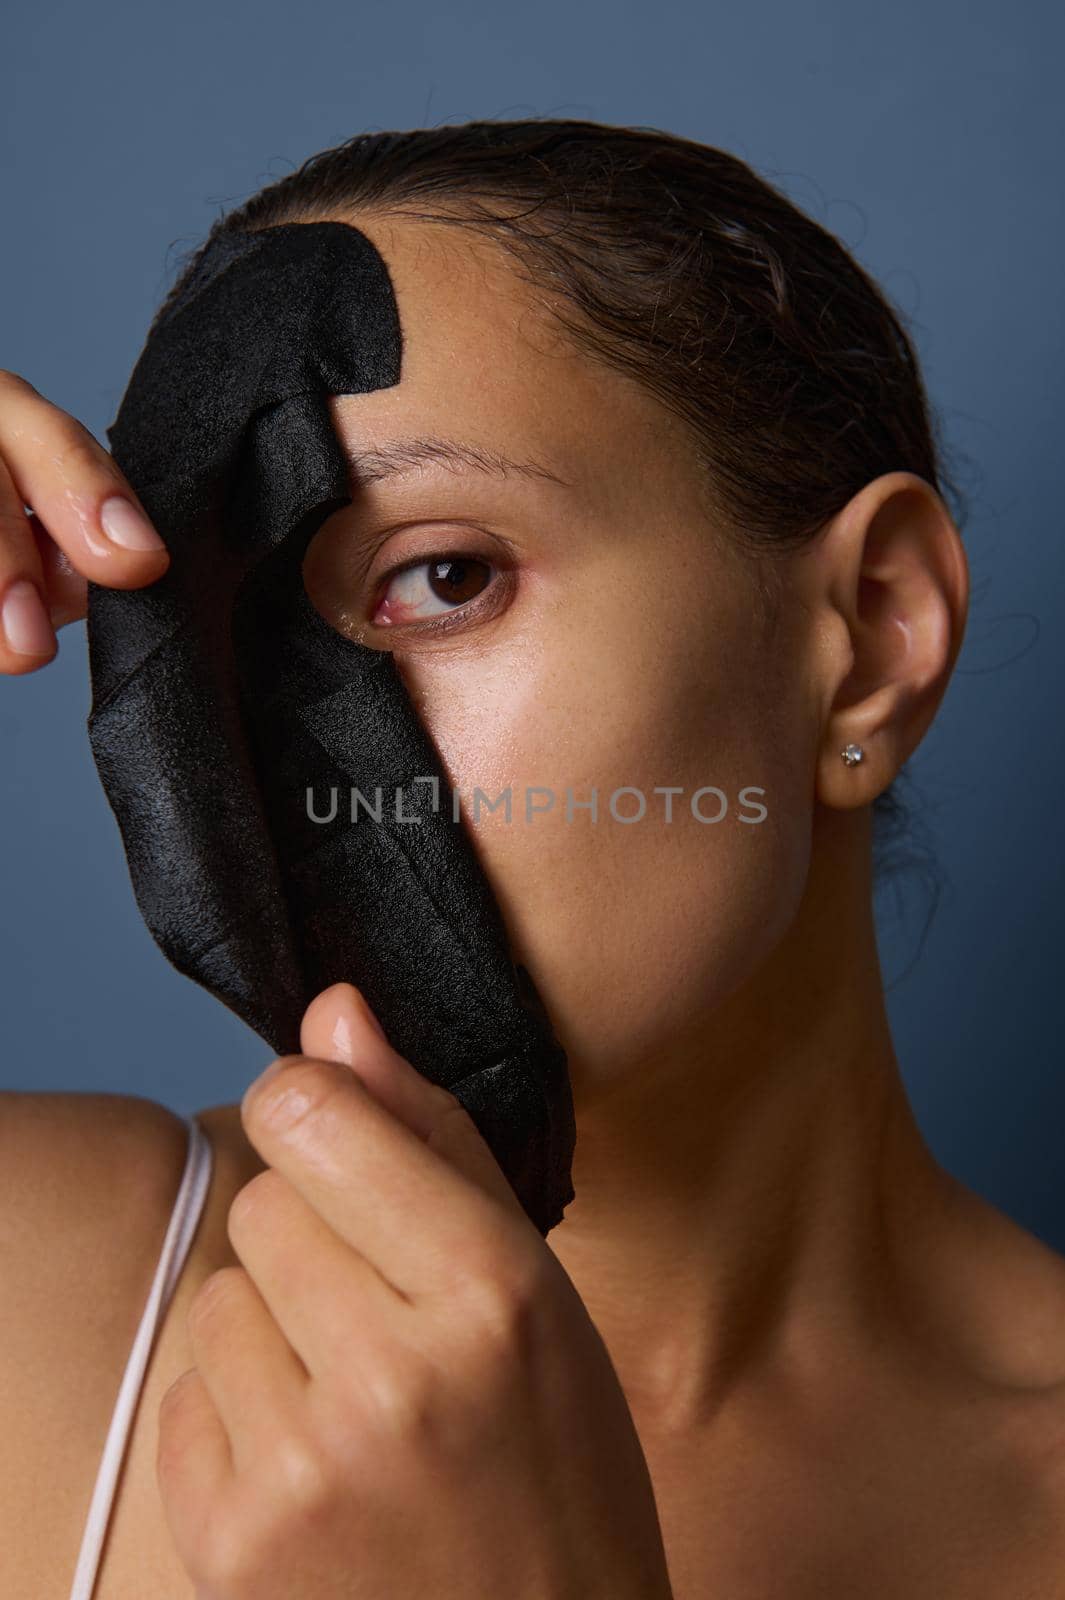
column 887, row 583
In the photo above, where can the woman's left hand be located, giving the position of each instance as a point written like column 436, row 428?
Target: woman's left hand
column 399, row 1392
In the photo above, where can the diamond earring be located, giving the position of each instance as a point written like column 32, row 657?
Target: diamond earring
column 852, row 754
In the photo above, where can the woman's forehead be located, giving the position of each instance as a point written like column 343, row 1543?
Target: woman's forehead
column 488, row 365
column 449, row 277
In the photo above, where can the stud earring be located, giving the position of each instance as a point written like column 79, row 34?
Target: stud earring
column 852, row 754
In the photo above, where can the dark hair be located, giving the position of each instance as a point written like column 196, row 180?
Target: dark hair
column 675, row 262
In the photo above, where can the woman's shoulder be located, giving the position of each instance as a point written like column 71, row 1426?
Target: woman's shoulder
column 33, row 1121
column 1007, row 1285
column 87, row 1182
column 76, row 1170
column 996, row 1328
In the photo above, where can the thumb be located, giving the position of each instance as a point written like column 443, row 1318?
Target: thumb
column 339, row 1025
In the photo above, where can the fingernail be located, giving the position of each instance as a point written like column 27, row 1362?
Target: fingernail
column 125, row 525
column 341, row 1036
column 349, row 1002
column 26, row 626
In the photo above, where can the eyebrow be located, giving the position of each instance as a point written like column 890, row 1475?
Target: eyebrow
column 397, row 456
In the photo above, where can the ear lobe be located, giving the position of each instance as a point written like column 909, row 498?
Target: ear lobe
column 895, row 578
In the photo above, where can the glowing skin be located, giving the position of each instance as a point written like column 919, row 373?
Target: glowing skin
column 617, row 642
column 760, row 1231
column 846, row 1369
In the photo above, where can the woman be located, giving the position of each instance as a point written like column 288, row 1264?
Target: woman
column 728, row 563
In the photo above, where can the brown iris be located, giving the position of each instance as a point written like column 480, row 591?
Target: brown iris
column 457, row 578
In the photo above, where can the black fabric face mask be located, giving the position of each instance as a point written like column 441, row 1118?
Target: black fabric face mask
column 220, row 697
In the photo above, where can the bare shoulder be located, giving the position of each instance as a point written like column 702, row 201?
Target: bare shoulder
column 1012, row 1287
column 83, row 1180
column 87, row 1188
column 87, row 1182
column 42, row 1136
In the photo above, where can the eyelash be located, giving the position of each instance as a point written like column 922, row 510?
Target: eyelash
column 459, row 615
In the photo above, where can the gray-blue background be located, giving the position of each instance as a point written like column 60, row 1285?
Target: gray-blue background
column 928, row 137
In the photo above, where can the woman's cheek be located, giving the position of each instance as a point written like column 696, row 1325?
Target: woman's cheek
column 484, row 713
column 630, row 928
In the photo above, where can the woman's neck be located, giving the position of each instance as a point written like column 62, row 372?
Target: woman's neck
column 713, row 1210
column 755, row 1184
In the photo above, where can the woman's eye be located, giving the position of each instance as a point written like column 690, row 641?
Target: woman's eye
column 431, row 588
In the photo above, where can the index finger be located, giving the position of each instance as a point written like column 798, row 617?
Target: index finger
column 77, row 491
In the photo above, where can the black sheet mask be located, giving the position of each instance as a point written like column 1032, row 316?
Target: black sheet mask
column 220, row 697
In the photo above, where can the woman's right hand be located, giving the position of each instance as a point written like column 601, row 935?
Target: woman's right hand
column 85, row 522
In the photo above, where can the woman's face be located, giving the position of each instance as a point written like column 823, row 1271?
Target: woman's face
column 603, row 635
